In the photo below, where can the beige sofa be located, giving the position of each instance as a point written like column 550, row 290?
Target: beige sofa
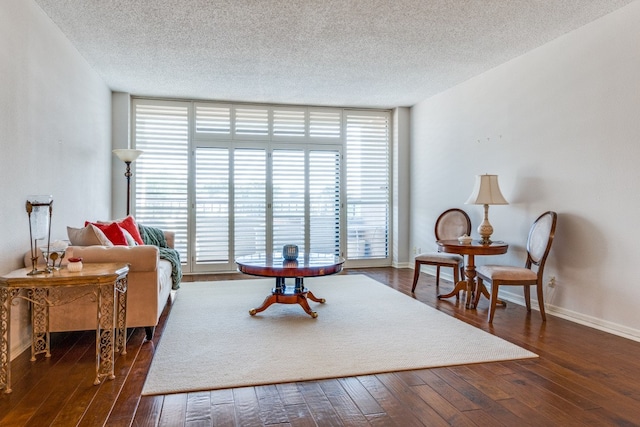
column 149, row 287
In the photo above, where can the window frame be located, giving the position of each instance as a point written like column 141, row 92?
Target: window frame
column 330, row 127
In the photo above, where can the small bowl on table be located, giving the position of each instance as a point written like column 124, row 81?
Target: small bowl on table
column 465, row 240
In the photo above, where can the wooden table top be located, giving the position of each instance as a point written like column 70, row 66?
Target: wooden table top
column 307, row 265
column 473, row 248
column 95, row 273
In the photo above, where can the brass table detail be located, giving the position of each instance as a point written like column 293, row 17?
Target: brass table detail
column 470, row 250
column 106, row 284
column 307, row 265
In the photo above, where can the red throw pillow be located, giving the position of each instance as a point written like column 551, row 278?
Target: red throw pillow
column 130, row 225
column 112, row 231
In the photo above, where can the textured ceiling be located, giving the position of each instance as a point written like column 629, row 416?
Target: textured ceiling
column 361, row 53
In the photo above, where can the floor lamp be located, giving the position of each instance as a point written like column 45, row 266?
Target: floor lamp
column 128, row 155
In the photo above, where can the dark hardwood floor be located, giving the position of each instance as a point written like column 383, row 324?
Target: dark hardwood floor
column 582, row 377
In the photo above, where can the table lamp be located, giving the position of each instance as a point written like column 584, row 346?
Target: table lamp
column 486, row 192
column 128, row 156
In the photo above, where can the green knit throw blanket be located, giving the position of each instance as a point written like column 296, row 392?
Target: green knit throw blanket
column 155, row 236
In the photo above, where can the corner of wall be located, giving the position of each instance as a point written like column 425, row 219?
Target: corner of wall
column 120, row 138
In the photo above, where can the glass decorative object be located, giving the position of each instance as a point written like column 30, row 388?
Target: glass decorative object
column 54, row 256
column 39, row 210
column 290, row 252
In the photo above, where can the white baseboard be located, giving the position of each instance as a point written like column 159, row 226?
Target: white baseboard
column 582, row 319
column 572, row 316
column 402, row 265
column 17, row 348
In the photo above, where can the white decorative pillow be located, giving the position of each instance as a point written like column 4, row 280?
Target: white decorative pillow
column 87, row 236
column 130, row 240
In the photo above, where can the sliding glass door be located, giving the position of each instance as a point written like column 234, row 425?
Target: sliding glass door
column 278, row 196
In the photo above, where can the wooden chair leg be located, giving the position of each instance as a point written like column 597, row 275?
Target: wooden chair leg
column 492, row 301
column 456, row 279
column 527, row 297
column 416, row 273
column 437, row 277
column 541, row 302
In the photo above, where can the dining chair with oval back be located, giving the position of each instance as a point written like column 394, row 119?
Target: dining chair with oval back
column 538, row 246
column 450, row 225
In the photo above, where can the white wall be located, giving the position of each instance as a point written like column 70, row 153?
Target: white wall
column 561, row 127
column 55, row 134
column 121, row 130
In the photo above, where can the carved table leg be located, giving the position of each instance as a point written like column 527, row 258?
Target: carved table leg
column 460, row 286
column 312, row 297
column 470, row 272
column 289, row 295
column 6, row 298
column 40, row 337
column 302, row 301
column 483, row 291
column 467, row 285
column 121, row 326
column 271, row 299
column 105, row 344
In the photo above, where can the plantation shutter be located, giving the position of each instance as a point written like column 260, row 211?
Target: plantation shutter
column 368, row 199
column 251, row 123
column 324, row 203
column 289, row 220
column 289, row 123
column 212, row 205
column 306, row 200
column 262, row 177
column 161, row 131
column 213, row 120
column 325, row 124
column 250, row 200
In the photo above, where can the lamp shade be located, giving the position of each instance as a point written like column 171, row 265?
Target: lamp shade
column 486, row 191
column 127, row 154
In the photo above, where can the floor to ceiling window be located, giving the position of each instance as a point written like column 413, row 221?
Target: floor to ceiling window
column 233, row 180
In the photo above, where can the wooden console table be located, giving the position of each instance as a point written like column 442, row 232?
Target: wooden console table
column 106, row 284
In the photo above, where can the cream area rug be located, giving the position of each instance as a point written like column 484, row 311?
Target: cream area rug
column 210, row 341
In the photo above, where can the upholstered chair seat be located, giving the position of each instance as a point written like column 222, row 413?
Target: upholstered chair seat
column 496, row 272
column 452, row 260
